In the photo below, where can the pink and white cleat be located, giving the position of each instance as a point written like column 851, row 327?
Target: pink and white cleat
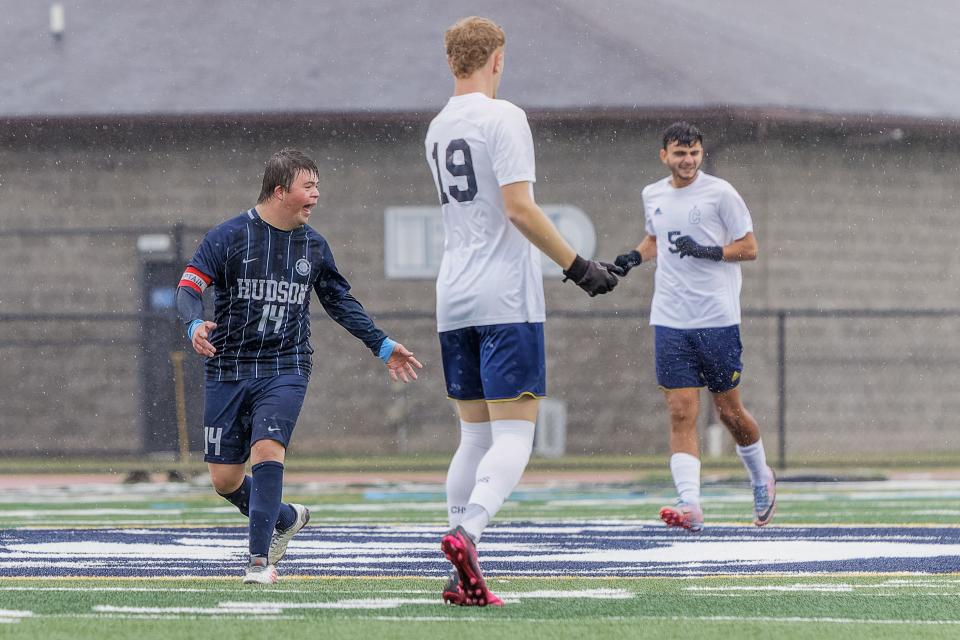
column 452, row 591
column 683, row 515
column 459, row 549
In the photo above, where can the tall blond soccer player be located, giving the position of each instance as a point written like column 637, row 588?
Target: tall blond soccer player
column 490, row 309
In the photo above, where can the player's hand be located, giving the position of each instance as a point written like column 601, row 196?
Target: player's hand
column 612, row 268
column 626, row 261
column 591, row 276
column 689, row 247
column 201, row 339
column 401, row 364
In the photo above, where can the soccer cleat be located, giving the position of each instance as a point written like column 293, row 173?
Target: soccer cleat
column 459, row 549
column 280, row 539
column 452, row 591
column 683, row 515
column 765, row 500
column 259, row 571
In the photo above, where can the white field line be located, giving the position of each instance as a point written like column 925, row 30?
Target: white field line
column 835, row 621
column 248, row 610
column 222, row 615
column 232, row 591
column 12, row 616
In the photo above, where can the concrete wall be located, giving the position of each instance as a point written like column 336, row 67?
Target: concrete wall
column 843, row 221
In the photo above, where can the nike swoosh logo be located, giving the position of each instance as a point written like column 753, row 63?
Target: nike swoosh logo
column 766, row 514
column 274, row 429
column 250, row 260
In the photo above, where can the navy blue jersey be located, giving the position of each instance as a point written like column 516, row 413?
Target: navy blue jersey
column 262, row 278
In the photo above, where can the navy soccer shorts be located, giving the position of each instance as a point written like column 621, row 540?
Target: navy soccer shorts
column 698, row 357
column 494, row 362
column 239, row 413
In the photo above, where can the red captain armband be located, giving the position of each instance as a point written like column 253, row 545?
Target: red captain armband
column 196, row 280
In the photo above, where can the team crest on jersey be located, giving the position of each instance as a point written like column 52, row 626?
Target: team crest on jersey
column 695, row 215
column 303, row 266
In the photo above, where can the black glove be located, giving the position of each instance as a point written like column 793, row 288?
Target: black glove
column 627, row 261
column 689, row 247
column 612, row 268
column 590, row 276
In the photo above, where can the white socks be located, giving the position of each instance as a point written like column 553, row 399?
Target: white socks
column 686, row 476
column 475, row 440
column 755, row 460
column 498, row 473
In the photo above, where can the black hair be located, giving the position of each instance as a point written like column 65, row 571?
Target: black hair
column 683, row 133
column 281, row 170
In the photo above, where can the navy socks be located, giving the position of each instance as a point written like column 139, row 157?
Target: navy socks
column 264, row 505
column 241, row 500
column 241, row 497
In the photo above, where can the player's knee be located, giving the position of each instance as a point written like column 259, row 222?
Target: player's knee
column 267, row 450
column 682, row 412
column 732, row 415
column 226, row 483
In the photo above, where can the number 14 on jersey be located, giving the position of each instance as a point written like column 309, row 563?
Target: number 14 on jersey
column 271, row 313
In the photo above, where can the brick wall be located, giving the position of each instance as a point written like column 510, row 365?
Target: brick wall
column 841, row 224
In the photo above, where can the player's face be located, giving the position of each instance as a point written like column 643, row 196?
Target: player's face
column 683, row 160
column 302, row 197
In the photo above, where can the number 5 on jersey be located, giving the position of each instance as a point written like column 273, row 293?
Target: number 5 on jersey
column 459, row 165
column 274, row 313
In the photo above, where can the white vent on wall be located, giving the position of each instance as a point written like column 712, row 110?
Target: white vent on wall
column 550, row 436
column 413, row 239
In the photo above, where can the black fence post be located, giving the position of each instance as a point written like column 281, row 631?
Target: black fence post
column 782, row 386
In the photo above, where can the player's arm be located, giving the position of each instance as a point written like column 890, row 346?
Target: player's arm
column 527, row 216
column 193, row 283
column 740, row 250
column 645, row 251
column 333, row 291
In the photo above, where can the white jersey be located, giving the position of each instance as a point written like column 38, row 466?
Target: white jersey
column 693, row 293
column 490, row 273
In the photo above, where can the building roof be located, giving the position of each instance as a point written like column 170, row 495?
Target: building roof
column 211, row 58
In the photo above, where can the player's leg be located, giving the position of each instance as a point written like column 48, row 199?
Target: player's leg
column 722, row 351
column 512, row 426
column 225, row 448
column 275, row 407
column 460, row 351
column 498, row 473
column 684, row 406
column 475, row 441
column 513, row 374
column 678, row 374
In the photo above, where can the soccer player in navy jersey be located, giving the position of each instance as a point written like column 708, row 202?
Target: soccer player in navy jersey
column 263, row 264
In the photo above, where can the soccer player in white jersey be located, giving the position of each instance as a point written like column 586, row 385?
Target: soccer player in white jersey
column 490, row 308
column 699, row 229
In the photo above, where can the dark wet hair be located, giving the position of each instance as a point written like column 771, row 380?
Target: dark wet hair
column 683, row 133
column 282, row 168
